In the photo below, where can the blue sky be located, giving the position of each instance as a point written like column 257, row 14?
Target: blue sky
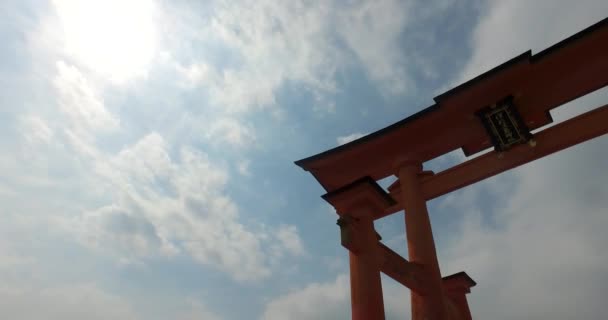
column 147, row 148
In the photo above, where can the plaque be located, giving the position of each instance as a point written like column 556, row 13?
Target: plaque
column 504, row 125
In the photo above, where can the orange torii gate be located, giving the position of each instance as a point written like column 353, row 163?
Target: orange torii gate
column 499, row 108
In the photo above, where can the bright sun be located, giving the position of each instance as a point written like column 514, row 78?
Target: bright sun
column 115, row 38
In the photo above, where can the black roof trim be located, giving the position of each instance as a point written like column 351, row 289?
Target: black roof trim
column 461, row 87
column 301, row 163
column 598, row 25
column 460, row 274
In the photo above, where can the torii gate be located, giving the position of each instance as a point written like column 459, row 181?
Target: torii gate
column 499, row 108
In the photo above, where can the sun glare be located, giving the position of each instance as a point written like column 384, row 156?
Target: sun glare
column 115, row 38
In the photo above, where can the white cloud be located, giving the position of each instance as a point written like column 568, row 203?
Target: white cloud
column 150, row 198
column 290, row 240
column 121, row 229
column 315, row 301
column 197, row 311
column 79, row 101
column 40, row 279
column 166, row 205
column 10, row 258
column 195, row 74
column 353, row 136
column 372, row 29
column 331, row 300
column 272, row 44
column 243, row 168
column 68, row 302
column 143, row 162
column 171, row 205
column 231, row 131
column 35, row 129
column 276, row 43
column 31, row 288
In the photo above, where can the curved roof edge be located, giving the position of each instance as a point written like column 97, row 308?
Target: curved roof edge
column 524, row 57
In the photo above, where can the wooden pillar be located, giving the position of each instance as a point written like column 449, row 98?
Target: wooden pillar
column 365, row 284
column 456, row 287
column 461, row 303
column 356, row 205
column 421, row 245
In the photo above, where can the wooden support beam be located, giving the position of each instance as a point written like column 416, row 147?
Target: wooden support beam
column 571, row 132
column 399, row 269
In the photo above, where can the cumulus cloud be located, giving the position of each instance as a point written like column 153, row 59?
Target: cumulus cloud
column 169, row 205
column 30, row 298
column 154, row 201
column 230, row 131
column 196, row 74
column 120, row 228
column 331, row 300
column 35, row 129
column 372, row 29
column 290, row 240
column 63, row 302
column 243, row 167
column 276, row 43
column 197, row 311
column 159, row 203
column 79, row 101
column 271, row 44
column 315, row 301
column 36, row 286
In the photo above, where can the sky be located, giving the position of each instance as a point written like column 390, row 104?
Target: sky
column 147, row 148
